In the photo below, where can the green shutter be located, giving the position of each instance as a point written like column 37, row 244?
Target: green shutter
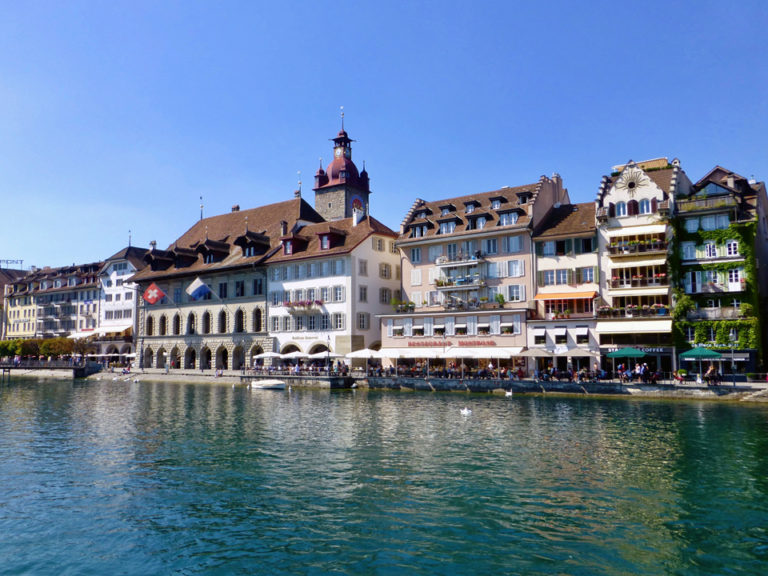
column 539, row 249
column 569, row 246
column 540, row 278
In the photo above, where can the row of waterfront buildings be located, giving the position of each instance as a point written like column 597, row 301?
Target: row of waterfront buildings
column 657, row 262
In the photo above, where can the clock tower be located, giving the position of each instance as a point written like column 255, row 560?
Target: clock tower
column 340, row 190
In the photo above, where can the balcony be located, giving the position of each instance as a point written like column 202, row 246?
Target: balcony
column 722, row 313
column 460, row 283
column 460, row 260
column 716, row 287
column 704, row 204
column 633, row 311
column 657, row 281
column 304, row 307
column 635, row 247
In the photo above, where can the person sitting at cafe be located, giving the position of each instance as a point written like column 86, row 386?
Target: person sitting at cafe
column 711, row 375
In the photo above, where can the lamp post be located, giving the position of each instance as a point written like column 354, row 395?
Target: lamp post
column 328, row 359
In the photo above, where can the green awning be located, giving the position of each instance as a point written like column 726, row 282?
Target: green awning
column 628, row 352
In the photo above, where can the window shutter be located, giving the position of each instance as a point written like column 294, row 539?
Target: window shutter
column 654, row 205
column 540, row 278
column 516, row 324
column 632, row 208
column 522, row 292
column 389, row 328
column 576, row 275
column 569, row 246
column 539, row 249
column 578, row 246
column 595, row 275
column 612, row 210
column 495, row 324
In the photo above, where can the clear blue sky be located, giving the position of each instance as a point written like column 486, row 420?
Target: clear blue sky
column 118, row 116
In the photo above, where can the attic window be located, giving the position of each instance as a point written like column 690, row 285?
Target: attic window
column 496, row 204
column 325, row 242
column 445, row 211
column 209, row 258
column 470, row 208
column 288, row 247
column 249, row 251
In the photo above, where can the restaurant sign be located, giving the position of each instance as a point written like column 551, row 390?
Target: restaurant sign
column 430, row 343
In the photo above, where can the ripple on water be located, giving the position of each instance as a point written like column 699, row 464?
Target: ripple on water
column 155, row 478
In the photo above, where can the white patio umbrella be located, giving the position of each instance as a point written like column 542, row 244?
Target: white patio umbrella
column 268, row 355
column 294, row 355
column 365, row 353
column 324, row 355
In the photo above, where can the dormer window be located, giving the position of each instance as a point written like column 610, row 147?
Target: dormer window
column 249, row 251
column 507, row 218
column 288, row 247
column 470, row 208
column 208, row 258
column 325, row 242
column 447, row 227
column 445, row 211
column 480, row 222
column 496, row 204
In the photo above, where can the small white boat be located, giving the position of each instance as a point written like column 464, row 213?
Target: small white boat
column 267, row 384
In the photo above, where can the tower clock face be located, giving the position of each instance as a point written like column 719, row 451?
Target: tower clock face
column 337, row 152
column 356, row 203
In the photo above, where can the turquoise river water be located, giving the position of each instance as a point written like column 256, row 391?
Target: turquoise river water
column 141, row 478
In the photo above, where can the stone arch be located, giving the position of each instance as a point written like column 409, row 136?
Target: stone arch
column 205, row 358
column 147, row 360
column 191, row 323
column 258, row 320
column 175, row 358
column 189, row 358
column 161, row 358
column 255, row 349
column 222, row 323
column 163, row 328
column 290, row 347
column 222, row 358
column 207, row 322
column 176, row 324
column 149, row 326
column 238, row 358
column 239, row 320
column 318, row 347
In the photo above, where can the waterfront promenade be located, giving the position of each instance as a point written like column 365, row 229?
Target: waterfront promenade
column 745, row 390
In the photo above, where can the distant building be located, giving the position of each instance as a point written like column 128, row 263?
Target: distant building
column 118, row 305
column 722, row 237
column 634, row 206
column 7, row 277
column 468, row 274
column 562, row 323
column 54, row 302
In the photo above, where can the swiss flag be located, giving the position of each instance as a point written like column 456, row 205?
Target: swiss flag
column 153, row 294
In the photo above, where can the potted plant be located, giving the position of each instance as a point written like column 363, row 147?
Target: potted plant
column 500, row 299
column 567, row 312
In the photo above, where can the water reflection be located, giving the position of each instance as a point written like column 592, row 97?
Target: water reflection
column 157, row 478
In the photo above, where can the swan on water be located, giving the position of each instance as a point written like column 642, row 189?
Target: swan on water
column 466, row 411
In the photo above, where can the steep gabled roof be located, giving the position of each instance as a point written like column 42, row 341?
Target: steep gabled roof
column 568, row 220
column 346, row 237
column 220, row 233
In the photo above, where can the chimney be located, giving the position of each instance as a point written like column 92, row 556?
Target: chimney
column 297, row 194
column 236, row 208
column 283, row 227
column 152, row 245
column 356, row 217
column 731, row 181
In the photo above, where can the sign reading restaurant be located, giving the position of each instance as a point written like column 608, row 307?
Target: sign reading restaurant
column 440, row 343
